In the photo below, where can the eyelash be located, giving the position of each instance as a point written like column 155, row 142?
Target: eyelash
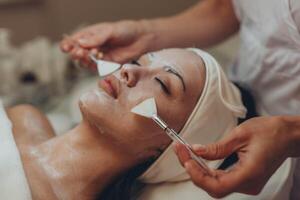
column 135, row 62
column 163, row 86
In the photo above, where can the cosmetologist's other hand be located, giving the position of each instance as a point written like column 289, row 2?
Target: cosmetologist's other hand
column 262, row 144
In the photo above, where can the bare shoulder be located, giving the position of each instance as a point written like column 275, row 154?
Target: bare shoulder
column 30, row 126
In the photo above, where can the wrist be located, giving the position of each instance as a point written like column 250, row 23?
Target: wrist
column 292, row 127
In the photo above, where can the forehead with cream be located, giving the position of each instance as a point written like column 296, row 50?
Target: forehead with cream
column 173, row 57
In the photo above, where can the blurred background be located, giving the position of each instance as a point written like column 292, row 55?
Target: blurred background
column 34, row 70
column 52, row 18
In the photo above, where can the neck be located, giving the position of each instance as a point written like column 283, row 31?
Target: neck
column 82, row 162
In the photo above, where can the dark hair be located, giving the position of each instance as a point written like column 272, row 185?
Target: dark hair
column 126, row 187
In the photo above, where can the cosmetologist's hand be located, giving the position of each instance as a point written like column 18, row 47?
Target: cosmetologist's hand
column 119, row 41
column 262, row 144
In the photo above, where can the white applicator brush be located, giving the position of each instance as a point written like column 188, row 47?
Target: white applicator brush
column 105, row 68
column 148, row 109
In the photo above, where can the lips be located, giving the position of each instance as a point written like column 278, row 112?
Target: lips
column 110, row 86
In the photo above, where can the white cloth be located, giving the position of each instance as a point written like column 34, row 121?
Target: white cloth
column 214, row 115
column 269, row 58
column 13, row 183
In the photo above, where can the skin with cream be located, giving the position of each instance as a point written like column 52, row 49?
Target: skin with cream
column 110, row 139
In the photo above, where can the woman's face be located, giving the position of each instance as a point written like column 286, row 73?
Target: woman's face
column 174, row 77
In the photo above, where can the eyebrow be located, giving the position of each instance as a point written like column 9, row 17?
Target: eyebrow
column 172, row 70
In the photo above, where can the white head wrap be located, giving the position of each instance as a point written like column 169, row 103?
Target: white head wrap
column 214, row 115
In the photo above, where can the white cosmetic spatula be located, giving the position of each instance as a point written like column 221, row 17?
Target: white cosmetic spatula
column 105, row 68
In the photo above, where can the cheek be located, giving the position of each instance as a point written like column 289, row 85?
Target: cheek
column 170, row 110
column 146, row 135
column 142, row 91
column 175, row 113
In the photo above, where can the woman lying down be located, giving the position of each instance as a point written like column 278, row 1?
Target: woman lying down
column 111, row 148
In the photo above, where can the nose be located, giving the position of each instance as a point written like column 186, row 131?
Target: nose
column 130, row 74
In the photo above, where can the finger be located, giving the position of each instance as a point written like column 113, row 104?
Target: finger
column 88, row 61
column 80, row 53
column 85, row 63
column 221, row 149
column 86, row 56
column 182, row 153
column 222, row 182
column 84, row 32
column 95, row 40
column 243, row 178
column 130, row 52
column 125, row 54
column 68, row 43
column 66, row 46
column 199, row 149
column 200, row 178
column 96, row 52
column 208, row 183
column 77, row 53
column 91, row 65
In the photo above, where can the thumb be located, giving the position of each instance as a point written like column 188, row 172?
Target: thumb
column 220, row 149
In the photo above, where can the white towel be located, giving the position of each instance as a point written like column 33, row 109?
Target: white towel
column 13, row 182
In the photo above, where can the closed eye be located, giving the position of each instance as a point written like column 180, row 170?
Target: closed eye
column 163, row 86
column 135, row 62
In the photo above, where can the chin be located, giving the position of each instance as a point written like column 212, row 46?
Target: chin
column 93, row 104
column 100, row 109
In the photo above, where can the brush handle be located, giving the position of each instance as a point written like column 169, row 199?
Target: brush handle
column 93, row 58
column 176, row 137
